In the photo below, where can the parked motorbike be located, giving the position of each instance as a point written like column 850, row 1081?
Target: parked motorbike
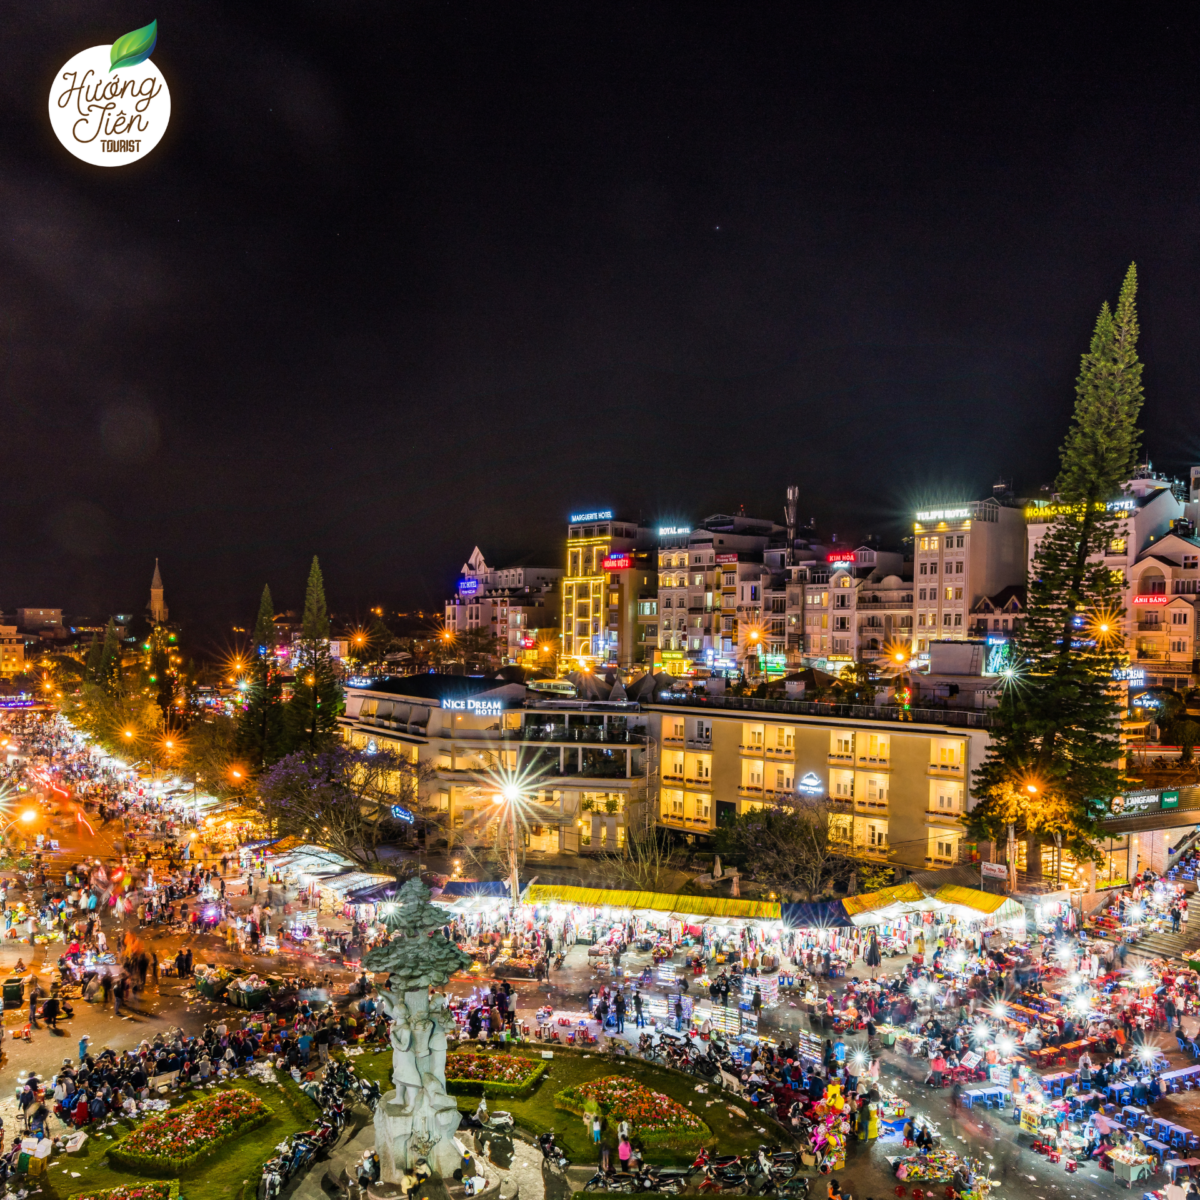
column 611, row 1181
column 551, row 1152
column 723, row 1183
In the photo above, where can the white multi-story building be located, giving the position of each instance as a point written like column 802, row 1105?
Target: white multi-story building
column 854, row 605
column 512, row 602
column 961, row 553
column 1154, row 550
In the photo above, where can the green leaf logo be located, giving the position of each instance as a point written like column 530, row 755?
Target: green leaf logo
column 135, row 47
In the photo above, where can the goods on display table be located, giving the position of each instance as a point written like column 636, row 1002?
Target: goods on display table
column 767, row 984
column 724, row 1020
column 661, row 1009
column 937, row 1166
column 1130, row 1166
column 504, row 967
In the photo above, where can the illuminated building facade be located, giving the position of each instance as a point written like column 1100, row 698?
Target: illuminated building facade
column 12, row 651
column 580, row 767
column 896, row 789
column 521, row 606
column 1154, row 553
column 610, row 571
column 962, row 552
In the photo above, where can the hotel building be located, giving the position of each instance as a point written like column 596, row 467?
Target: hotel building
column 897, row 788
column 962, row 553
column 586, row 763
column 515, row 603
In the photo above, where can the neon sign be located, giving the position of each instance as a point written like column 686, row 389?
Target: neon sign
column 604, row 514
column 727, row 558
column 468, row 587
column 841, row 556
column 617, row 562
column 481, row 708
column 944, row 514
column 811, row 785
column 401, row 814
column 669, row 530
column 1156, row 599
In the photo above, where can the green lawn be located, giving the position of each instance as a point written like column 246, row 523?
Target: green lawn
column 536, row 1112
column 219, row 1177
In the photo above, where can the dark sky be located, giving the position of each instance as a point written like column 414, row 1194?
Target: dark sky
column 403, row 278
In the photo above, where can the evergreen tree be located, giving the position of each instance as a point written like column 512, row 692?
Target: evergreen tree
column 161, row 674
column 264, row 626
column 1056, row 741
column 316, row 701
column 108, row 670
column 91, row 665
column 259, row 737
column 316, row 613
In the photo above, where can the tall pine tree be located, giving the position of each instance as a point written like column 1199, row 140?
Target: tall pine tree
column 108, row 670
column 260, row 734
column 1056, row 742
column 316, row 694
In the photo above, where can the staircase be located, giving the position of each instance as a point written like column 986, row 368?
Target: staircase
column 1168, row 945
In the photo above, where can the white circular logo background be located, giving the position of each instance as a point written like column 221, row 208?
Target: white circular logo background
column 109, row 118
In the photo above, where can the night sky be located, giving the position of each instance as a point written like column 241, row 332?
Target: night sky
column 404, row 278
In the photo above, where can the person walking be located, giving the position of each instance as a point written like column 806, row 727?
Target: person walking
column 678, row 1012
column 619, row 1008
column 756, row 1002
column 35, row 991
column 637, row 1009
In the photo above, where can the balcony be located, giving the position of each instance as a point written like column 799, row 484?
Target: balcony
column 700, row 743
column 944, row 816
column 670, row 739
column 838, row 760
column 785, row 793
column 843, row 804
column 754, row 748
column 945, row 771
column 781, row 753
column 750, row 791
column 700, row 781
column 678, row 822
column 875, row 763
column 672, row 777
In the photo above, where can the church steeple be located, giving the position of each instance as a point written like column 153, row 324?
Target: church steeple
column 157, row 607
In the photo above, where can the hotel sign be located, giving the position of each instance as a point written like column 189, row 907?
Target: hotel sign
column 1155, row 599
column 841, row 556
column 617, row 562
column 603, row 514
column 944, row 514
column 481, row 708
column 727, row 558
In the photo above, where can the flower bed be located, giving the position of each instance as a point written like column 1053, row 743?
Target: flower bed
column 492, row 1074
column 167, row 1189
column 180, row 1138
column 656, row 1119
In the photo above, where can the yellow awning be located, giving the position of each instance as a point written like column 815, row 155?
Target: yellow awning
column 697, row 906
column 984, row 902
column 902, row 893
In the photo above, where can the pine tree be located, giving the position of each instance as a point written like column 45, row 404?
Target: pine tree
column 1056, row 741
column 91, row 665
column 260, row 734
column 316, row 614
column 108, row 670
column 264, row 625
column 316, row 699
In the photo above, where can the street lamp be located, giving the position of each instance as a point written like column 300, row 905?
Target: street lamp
column 510, row 794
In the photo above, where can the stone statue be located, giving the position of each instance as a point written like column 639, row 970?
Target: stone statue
column 417, row 1119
